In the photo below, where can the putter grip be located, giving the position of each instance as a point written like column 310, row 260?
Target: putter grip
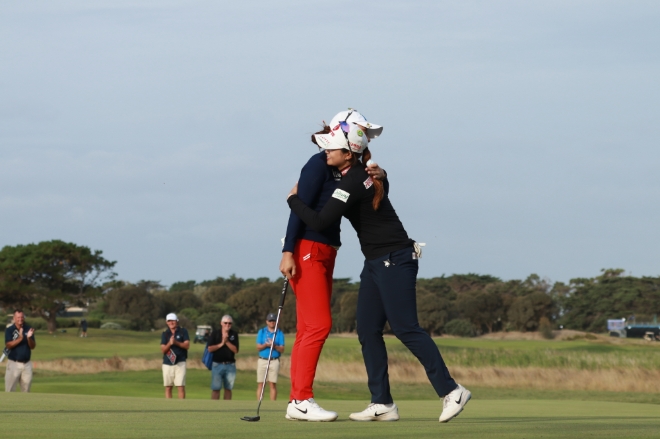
column 283, row 296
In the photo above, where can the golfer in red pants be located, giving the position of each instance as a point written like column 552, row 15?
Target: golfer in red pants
column 308, row 260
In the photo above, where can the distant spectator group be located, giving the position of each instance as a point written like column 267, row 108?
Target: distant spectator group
column 223, row 344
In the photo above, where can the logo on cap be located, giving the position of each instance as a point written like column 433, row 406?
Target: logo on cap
column 359, row 133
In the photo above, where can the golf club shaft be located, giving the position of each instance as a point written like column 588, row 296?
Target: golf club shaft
column 272, row 344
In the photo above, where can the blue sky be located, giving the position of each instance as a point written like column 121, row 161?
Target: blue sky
column 520, row 137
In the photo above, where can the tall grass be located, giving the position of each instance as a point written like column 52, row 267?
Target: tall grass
column 602, row 364
column 406, row 370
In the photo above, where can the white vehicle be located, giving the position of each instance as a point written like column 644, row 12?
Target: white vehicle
column 202, row 334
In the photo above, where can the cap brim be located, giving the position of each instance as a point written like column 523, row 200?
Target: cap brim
column 332, row 140
column 372, row 129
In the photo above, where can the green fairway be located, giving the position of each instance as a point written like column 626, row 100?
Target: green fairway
column 149, row 384
column 48, row 416
column 577, row 354
column 581, row 354
column 100, row 344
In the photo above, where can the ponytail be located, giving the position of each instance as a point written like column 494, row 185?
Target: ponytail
column 378, row 184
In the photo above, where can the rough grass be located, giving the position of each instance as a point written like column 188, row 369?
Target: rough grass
column 597, row 364
column 36, row 416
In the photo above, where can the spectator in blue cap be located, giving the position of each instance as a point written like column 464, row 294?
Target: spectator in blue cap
column 267, row 337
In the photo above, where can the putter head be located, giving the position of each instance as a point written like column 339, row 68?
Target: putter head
column 251, row 418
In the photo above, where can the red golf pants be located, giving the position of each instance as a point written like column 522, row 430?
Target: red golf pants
column 312, row 286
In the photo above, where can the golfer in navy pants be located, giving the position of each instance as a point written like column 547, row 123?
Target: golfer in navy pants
column 387, row 294
column 389, row 277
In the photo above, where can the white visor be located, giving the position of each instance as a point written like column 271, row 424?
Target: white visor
column 355, row 116
column 355, row 140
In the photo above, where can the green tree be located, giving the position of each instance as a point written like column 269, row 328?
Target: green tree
column 179, row 299
column 136, row 304
column 345, row 319
column 217, row 294
column 433, row 311
column 483, row 308
column 46, row 277
column 591, row 301
column 343, row 316
column 526, row 311
column 183, row 286
column 254, row 302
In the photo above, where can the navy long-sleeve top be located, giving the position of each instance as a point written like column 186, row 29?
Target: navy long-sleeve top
column 316, row 185
column 379, row 231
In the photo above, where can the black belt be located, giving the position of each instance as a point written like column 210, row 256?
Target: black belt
column 262, row 358
column 225, row 362
column 20, row 361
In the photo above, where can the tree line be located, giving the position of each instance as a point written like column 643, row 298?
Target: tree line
column 46, row 277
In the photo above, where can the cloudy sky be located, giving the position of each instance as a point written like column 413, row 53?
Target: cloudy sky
column 520, row 137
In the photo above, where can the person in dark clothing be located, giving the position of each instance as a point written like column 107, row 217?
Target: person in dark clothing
column 388, row 279
column 83, row 328
column 19, row 341
column 174, row 344
column 308, row 260
column 223, row 343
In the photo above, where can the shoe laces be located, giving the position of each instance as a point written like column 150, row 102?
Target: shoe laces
column 314, row 404
column 445, row 401
column 374, row 405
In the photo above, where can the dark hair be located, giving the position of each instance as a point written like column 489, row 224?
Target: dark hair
column 18, row 310
column 326, row 129
column 379, row 191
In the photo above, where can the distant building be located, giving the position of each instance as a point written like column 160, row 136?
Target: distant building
column 73, row 311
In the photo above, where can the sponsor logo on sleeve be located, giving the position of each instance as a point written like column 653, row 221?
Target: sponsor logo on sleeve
column 340, row 195
column 368, row 183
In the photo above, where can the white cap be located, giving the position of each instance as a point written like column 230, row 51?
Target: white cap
column 171, row 316
column 354, row 140
column 355, row 116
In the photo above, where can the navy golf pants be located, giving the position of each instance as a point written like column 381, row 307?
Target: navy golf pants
column 388, row 294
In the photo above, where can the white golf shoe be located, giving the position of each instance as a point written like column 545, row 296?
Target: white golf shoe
column 377, row 412
column 308, row 410
column 454, row 402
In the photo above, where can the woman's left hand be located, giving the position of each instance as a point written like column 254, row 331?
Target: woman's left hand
column 293, row 191
column 375, row 171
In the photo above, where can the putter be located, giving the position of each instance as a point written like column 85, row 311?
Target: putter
column 270, row 354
